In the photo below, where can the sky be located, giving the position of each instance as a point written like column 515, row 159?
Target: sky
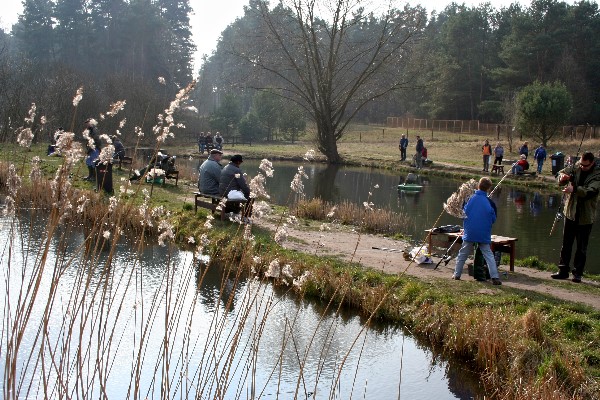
column 211, row 17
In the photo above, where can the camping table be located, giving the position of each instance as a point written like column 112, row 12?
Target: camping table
column 499, row 243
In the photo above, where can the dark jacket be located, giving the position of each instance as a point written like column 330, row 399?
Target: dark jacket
column 524, row 150
column 229, row 181
column 419, row 147
column 119, row 149
column 585, row 195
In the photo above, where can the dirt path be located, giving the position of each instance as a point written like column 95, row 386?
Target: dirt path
column 385, row 254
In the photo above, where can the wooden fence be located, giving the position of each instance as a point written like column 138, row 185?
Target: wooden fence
column 476, row 127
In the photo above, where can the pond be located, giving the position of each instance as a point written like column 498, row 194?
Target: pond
column 527, row 215
column 151, row 322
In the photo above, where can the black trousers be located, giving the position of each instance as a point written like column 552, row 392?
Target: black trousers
column 402, row 154
column 574, row 232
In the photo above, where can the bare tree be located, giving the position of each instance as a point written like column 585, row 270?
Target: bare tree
column 335, row 63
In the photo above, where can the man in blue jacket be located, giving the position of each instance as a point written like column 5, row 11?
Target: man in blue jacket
column 403, row 146
column 540, row 157
column 477, row 228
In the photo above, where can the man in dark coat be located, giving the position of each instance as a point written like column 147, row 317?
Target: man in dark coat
column 582, row 186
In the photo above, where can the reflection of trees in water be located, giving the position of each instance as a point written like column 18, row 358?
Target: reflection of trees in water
column 461, row 383
column 325, row 187
column 216, row 283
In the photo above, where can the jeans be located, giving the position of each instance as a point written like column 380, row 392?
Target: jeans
column 540, row 164
column 402, row 154
column 572, row 232
column 467, row 249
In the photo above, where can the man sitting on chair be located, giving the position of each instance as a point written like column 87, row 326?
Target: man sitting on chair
column 209, row 173
column 232, row 178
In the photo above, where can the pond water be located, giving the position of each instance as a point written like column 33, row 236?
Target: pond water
column 179, row 329
column 524, row 214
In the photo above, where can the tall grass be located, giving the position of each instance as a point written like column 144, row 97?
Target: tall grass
column 369, row 220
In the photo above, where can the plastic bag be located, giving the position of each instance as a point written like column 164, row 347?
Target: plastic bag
column 235, row 195
column 420, row 256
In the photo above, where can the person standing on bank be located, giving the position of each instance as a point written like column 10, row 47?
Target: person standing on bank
column 419, row 153
column 93, row 147
column 209, row 173
column 201, row 143
column 524, row 149
column 540, row 157
column 480, row 215
column 403, row 146
column 498, row 154
column 582, row 182
column 486, row 150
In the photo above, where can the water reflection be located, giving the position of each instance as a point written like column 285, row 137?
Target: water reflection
column 325, row 186
column 275, row 343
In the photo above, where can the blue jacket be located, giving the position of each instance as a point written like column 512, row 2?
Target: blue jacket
column 480, row 217
column 540, row 153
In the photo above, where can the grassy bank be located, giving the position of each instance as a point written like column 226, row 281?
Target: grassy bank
column 524, row 345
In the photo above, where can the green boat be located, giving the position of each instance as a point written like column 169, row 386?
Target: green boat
column 409, row 187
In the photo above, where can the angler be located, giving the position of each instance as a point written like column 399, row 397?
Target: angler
column 582, row 185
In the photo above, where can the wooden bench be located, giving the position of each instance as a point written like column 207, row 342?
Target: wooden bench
column 499, row 243
column 123, row 161
column 498, row 169
column 211, row 202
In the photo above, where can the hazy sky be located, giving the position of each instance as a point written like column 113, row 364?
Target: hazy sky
column 211, row 17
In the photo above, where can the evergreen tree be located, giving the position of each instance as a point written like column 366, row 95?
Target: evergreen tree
column 72, row 32
column 180, row 47
column 34, row 30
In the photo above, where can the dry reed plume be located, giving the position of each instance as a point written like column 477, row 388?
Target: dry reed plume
column 347, row 213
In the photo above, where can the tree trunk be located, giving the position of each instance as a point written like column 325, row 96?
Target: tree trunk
column 327, row 143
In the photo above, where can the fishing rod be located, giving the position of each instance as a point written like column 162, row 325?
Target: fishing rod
column 559, row 214
column 446, row 257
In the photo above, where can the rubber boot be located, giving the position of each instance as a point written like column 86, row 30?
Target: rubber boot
column 563, row 272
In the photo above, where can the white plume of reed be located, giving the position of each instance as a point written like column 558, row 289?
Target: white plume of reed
column 455, row 203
